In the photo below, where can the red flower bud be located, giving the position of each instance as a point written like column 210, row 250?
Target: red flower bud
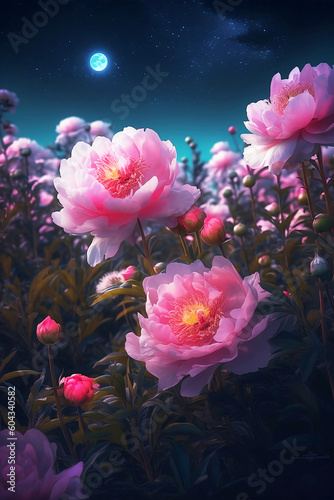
column 213, row 232
column 48, row 331
column 232, row 130
column 192, row 221
column 129, row 272
column 264, row 261
column 78, row 389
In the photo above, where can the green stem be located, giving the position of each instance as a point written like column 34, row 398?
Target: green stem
column 184, row 246
column 199, row 243
column 325, row 340
column 244, row 254
column 307, row 188
column 324, row 183
column 58, row 406
column 147, row 253
column 282, row 219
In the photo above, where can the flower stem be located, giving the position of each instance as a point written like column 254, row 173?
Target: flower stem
column 243, row 249
column 307, row 188
column 323, row 180
column 325, row 340
column 147, row 253
column 222, row 250
column 58, row 406
column 184, row 246
column 252, row 201
column 282, row 219
column 199, row 243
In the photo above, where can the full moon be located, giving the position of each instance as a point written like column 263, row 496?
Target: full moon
column 98, row 62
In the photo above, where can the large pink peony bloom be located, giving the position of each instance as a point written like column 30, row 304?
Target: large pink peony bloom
column 299, row 117
column 106, row 187
column 35, row 478
column 197, row 319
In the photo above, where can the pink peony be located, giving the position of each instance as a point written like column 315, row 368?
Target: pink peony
column 223, row 160
column 213, row 232
column 299, row 117
column 100, row 128
column 10, row 128
column 48, row 331
column 35, row 478
column 72, row 129
column 198, row 318
column 8, row 101
column 78, row 389
column 192, row 220
column 220, row 210
column 106, row 187
column 219, row 146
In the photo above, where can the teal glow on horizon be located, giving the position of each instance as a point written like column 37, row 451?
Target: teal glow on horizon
column 98, row 62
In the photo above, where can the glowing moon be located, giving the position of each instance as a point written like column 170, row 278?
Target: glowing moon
column 98, row 62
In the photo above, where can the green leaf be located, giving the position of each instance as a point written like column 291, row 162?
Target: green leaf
column 307, row 363
column 6, row 360
column 181, row 429
column 137, row 292
column 111, row 357
column 17, row 373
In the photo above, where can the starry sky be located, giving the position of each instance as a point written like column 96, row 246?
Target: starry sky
column 181, row 67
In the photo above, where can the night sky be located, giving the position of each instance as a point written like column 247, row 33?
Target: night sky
column 211, row 64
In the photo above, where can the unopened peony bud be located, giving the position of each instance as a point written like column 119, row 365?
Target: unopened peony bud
column 264, row 261
column 120, row 368
column 273, row 209
column 232, row 175
column 323, row 223
column 178, row 230
column 48, row 332
column 192, row 221
column 129, row 272
column 25, row 151
column 318, row 266
column 227, row 192
column 302, row 197
column 240, row 229
column 232, row 130
column 248, row 181
column 78, row 389
column 17, row 174
column 159, row 267
column 213, row 232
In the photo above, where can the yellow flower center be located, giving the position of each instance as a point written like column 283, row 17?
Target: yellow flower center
column 282, row 98
column 194, row 318
column 121, row 177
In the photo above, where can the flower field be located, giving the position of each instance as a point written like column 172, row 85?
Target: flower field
column 166, row 324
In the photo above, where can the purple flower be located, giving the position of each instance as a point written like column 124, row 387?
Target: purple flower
column 35, row 478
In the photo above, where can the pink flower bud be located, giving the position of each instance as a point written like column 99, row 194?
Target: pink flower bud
column 232, row 130
column 213, row 232
column 192, row 221
column 288, row 294
column 78, row 389
column 129, row 272
column 48, row 331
